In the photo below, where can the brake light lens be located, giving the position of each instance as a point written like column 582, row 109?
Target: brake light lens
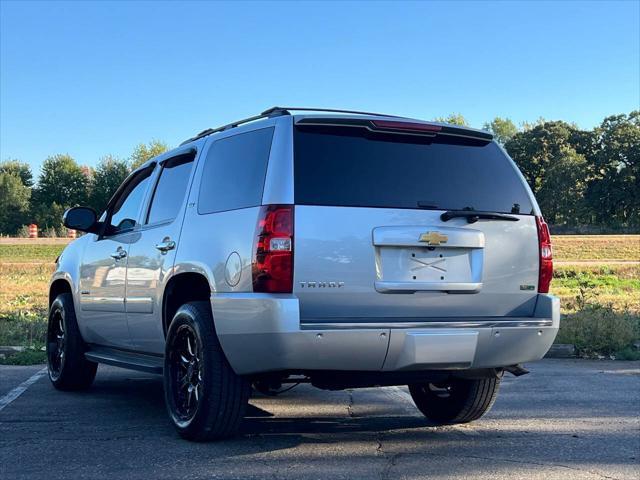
column 272, row 266
column 546, row 256
column 419, row 127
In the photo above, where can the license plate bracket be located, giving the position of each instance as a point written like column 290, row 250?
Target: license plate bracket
column 404, row 264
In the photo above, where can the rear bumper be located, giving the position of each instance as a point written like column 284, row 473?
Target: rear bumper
column 263, row 333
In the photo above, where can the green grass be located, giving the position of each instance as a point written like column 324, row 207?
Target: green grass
column 31, row 356
column 27, row 253
column 24, row 288
column 617, row 285
column 23, row 329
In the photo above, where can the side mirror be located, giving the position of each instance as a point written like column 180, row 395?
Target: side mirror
column 81, row 218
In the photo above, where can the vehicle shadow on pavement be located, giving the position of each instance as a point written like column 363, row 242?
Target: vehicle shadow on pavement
column 258, row 421
column 142, row 398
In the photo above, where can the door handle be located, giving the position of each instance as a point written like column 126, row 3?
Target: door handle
column 119, row 254
column 166, row 245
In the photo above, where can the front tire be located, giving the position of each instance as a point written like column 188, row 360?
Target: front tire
column 458, row 400
column 205, row 398
column 68, row 368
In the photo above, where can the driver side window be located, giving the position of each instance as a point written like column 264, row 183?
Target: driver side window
column 123, row 215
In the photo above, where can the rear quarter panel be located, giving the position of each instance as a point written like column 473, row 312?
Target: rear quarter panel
column 220, row 245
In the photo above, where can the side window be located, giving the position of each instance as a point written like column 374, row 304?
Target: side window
column 234, row 171
column 171, row 188
column 123, row 214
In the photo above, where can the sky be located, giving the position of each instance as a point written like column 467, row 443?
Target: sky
column 97, row 78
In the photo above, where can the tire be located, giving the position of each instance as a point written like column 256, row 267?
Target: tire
column 205, row 398
column 68, row 368
column 456, row 401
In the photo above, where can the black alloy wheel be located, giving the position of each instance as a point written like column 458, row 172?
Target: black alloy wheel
column 185, row 375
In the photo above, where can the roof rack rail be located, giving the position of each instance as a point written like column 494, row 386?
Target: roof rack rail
column 277, row 112
column 286, row 110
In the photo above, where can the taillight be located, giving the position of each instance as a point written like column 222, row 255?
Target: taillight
column 273, row 250
column 546, row 256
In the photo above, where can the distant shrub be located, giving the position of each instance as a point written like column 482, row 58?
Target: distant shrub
column 23, row 231
column 50, row 232
column 23, row 327
column 30, row 356
column 599, row 330
column 61, row 231
column 629, row 353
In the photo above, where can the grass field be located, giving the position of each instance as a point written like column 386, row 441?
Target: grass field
column 591, row 248
column 596, row 276
column 29, row 253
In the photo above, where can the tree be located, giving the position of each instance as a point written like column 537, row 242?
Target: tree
column 14, row 202
column 107, row 177
column 503, row 129
column 453, row 119
column 561, row 193
column 144, row 152
column 18, row 168
column 62, row 184
column 556, row 172
column 525, row 126
column 613, row 193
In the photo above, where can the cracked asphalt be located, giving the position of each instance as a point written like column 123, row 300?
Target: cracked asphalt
column 567, row 419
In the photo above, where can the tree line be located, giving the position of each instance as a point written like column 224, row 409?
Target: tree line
column 62, row 183
column 581, row 178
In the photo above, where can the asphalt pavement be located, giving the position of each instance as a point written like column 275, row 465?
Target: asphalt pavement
column 567, row 419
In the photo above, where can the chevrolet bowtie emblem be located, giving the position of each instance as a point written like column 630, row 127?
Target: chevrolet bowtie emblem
column 433, row 238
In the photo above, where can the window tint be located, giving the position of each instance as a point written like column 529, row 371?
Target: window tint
column 171, row 188
column 123, row 214
column 400, row 171
column 234, row 171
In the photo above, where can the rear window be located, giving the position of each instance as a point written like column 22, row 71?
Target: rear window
column 234, row 171
column 356, row 168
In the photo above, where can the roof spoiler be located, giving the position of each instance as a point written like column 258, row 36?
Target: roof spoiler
column 405, row 127
column 280, row 111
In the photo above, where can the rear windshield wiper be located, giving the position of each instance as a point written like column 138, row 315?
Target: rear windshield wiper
column 473, row 216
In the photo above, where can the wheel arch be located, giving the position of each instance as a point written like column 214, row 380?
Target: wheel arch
column 180, row 289
column 57, row 287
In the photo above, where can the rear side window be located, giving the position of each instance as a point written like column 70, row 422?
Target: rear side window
column 359, row 169
column 171, row 188
column 234, row 171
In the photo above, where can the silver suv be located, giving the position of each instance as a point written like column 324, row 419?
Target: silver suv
column 339, row 248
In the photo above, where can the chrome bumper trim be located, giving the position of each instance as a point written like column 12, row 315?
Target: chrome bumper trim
column 546, row 322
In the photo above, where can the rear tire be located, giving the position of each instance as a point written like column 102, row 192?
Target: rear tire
column 458, row 400
column 67, row 365
column 205, row 398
